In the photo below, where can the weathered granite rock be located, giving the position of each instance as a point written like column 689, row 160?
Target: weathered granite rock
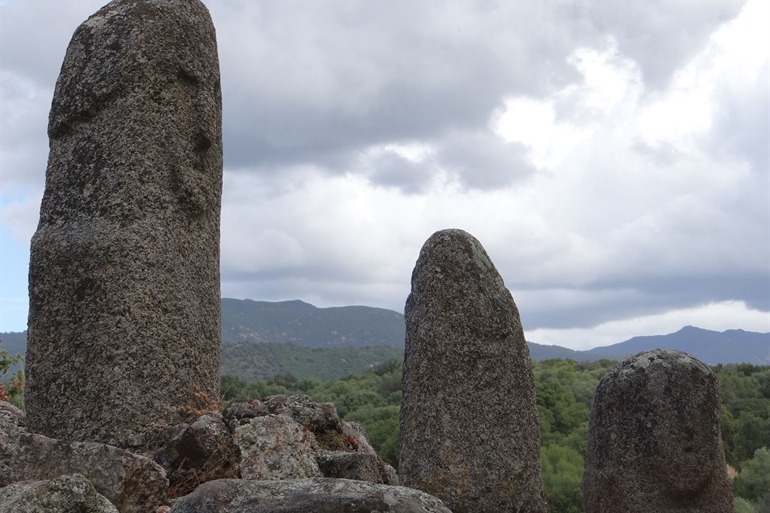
column 305, row 496
column 654, row 443
column 238, row 413
column 66, row 494
column 12, row 414
column 276, row 447
column 350, row 465
column 11, row 428
column 131, row 482
column 278, row 437
column 358, row 459
column 470, row 433
column 317, row 417
column 201, row 451
column 357, row 432
column 124, row 315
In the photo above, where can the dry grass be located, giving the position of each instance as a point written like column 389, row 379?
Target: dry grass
column 202, row 403
column 221, row 464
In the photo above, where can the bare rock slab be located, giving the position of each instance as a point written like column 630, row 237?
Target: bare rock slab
column 654, row 443
column 66, row 494
column 305, row 496
column 131, row 482
column 124, row 318
column 276, row 447
column 470, row 433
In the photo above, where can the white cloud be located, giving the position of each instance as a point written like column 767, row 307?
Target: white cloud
column 21, row 217
column 713, row 316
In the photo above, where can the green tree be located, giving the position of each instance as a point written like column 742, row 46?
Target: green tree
column 11, row 390
column 562, row 474
column 753, row 482
column 742, row 505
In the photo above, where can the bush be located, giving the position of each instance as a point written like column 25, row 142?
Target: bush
column 11, row 390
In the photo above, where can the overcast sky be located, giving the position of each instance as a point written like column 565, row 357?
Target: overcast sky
column 612, row 157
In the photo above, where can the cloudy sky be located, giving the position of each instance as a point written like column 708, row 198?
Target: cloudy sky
column 612, row 157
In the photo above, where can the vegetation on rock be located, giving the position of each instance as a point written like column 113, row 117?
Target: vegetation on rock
column 11, row 390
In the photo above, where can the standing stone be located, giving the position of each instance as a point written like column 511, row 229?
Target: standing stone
column 470, row 433
column 124, row 316
column 654, row 444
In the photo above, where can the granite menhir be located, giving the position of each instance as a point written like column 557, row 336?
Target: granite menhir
column 124, row 318
column 654, row 444
column 470, row 433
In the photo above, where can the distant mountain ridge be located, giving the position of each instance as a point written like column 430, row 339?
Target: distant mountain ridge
column 710, row 347
column 303, row 324
column 254, row 333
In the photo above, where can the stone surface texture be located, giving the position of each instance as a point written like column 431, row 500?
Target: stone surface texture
column 470, row 433
column 654, row 441
column 131, row 482
column 66, row 494
column 351, row 465
column 305, row 496
column 201, row 451
column 276, row 447
column 317, row 417
column 124, row 288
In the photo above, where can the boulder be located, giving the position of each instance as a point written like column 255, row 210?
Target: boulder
column 238, row 413
column 350, row 465
column 351, row 456
column 124, row 315
column 317, row 417
column 470, row 433
column 200, row 452
column 305, row 496
column 131, row 482
column 654, row 442
column 65, row 494
column 276, row 447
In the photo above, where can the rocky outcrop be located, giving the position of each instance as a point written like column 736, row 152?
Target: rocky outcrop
column 305, row 496
column 306, row 440
column 291, row 437
column 131, row 482
column 66, row 494
column 470, row 433
column 654, row 442
column 124, row 317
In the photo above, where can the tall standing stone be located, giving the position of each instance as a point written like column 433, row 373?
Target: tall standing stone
column 470, row 433
column 654, row 444
column 124, row 314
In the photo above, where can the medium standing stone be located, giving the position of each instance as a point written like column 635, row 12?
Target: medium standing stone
column 124, row 315
column 470, row 433
column 654, row 444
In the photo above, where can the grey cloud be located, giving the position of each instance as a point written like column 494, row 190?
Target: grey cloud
column 35, row 35
column 483, row 160
column 651, row 295
column 392, row 170
column 660, row 36
column 742, row 124
column 384, row 71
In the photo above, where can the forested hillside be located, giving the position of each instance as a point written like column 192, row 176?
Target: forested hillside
column 564, row 392
column 263, row 361
column 300, row 323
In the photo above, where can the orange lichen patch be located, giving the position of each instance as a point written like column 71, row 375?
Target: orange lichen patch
column 352, row 442
column 202, row 404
